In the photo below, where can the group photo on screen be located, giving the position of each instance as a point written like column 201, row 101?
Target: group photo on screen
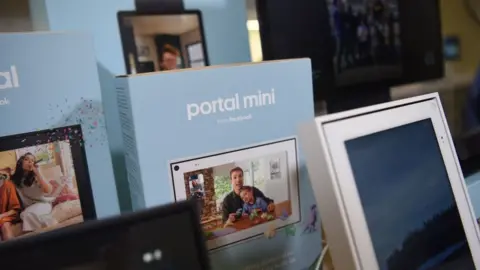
column 366, row 35
column 239, row 197
column 162, row 42
column 38, row 189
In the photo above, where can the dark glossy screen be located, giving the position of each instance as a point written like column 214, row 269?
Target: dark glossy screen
column 164, row 243
column 411, row 213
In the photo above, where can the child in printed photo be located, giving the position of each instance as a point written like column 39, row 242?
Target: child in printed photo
column 232, row 202
column 251, row 203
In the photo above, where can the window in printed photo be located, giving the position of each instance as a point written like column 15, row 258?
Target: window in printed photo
column 242, row 192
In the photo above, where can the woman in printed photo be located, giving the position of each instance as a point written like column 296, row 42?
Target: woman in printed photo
column 10, row 206
column 33, row 190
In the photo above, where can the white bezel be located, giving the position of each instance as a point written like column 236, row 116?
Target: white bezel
column 335, row 132
column 250, row 152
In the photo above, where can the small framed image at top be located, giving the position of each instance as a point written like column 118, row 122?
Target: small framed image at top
column 54, row 162
column 393, row 188
column 168, row 36
column 239, row 198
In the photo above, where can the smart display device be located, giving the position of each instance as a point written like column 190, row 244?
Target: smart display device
column 162, row 41
column 44, row 182
column 166, row 237
column 268, row 174
column 390, row 189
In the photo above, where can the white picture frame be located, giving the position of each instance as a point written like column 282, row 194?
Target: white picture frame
column 335, row 188
column 179, row 167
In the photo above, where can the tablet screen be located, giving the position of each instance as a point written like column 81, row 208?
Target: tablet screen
column 409, row 206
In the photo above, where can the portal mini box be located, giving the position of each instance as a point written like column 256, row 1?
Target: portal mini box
column 220, row 134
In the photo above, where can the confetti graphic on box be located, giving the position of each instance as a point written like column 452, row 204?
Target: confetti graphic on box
column 88, row 113
column 290, row 230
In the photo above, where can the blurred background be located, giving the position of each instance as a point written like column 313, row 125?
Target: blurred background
column 460, row 29
column 232, row 33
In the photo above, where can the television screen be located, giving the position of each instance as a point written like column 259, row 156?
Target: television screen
column 366, row 38
column 408, row 202
column 358, row 48
column 169, row 41
column 244, row 192
column 44, row 182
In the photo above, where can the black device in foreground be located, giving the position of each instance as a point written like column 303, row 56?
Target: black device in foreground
column 166, row 237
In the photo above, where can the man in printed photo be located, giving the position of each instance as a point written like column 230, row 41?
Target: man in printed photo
column 233, row 201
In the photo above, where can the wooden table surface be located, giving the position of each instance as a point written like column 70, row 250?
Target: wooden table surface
column 245, row 222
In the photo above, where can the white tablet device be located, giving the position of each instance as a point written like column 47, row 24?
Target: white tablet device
column 269, row 170
column 390, row 189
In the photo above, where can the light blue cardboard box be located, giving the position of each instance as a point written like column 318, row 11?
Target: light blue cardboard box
column 187, row 132
column 50, row 80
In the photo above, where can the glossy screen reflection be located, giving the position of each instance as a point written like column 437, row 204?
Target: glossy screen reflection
column 367, row 42
column 410, row 210
column 164, row 243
